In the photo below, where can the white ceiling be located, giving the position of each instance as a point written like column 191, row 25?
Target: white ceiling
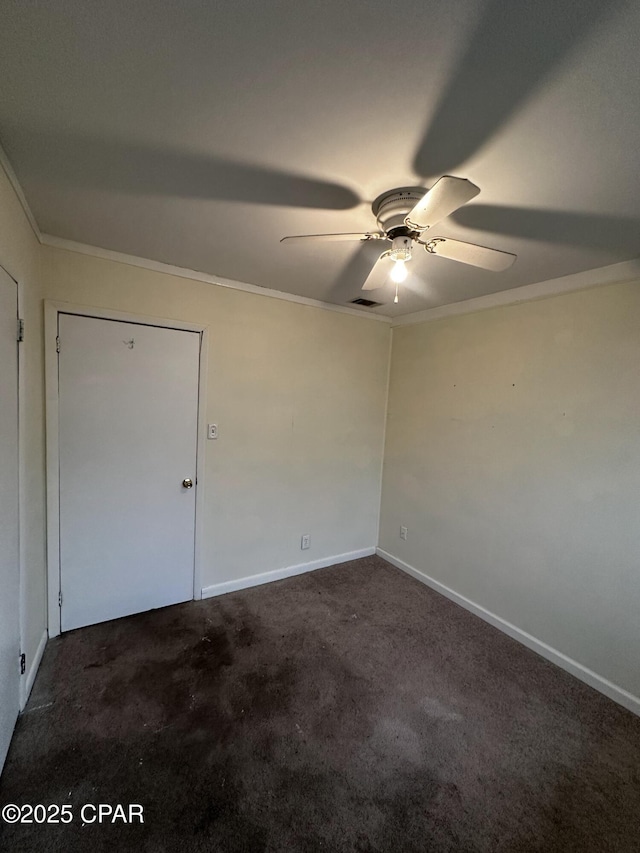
column 200, row 133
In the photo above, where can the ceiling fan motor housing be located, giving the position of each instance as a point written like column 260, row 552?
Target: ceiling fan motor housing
column 391, row 208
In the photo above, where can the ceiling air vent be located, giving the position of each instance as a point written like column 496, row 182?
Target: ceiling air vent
column 368, row 303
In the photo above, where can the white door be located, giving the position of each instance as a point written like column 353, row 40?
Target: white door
column 9, row 560
column 128, row 410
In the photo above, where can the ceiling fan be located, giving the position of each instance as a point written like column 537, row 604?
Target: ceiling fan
column 403, row 216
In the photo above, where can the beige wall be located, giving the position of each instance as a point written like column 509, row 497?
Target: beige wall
column 19, row 253
column 513, row 457
column 298, row 394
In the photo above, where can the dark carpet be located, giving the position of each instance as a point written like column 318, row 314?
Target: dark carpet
column 351, row 709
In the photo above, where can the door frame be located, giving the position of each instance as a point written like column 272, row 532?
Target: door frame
column 52, row 310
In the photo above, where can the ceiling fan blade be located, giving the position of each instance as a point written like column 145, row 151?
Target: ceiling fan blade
column 515, row 47
column 469, row 253
column 335, row 238
column 379, row 274
column 445, row 196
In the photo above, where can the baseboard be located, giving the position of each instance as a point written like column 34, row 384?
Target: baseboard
column 280, row 574
column 27, row 683
column 612, row 691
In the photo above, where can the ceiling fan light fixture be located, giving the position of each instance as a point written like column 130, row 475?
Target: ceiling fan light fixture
column 400, row 253
column 400, row 249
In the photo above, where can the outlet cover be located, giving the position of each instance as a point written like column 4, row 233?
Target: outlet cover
column 305, row 542
column 403, row 533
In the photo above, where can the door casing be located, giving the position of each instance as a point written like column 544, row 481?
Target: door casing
column 51, row 311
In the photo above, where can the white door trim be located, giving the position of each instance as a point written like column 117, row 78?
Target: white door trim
column 51, row 312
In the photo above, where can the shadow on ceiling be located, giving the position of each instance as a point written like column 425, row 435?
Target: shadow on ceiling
column 554, row 226
column 513, row 50
column 97, row 163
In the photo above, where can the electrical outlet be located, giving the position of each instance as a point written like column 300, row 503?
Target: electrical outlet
column 212, row 431
column 305, row 542
column 403, row 533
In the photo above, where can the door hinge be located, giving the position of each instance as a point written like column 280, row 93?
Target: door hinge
column 57, row 343
column 23, row 663
column 20, row 330
column 59, row 599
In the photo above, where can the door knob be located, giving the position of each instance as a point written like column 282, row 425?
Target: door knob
column 187, row 483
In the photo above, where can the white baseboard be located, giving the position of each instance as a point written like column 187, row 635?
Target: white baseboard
column 618, row 694
column 288, row 572
column 27, row 683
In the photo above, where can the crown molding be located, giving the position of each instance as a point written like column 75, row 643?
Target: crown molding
column 612, row 274
column 15, row 183
column 194, row 275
